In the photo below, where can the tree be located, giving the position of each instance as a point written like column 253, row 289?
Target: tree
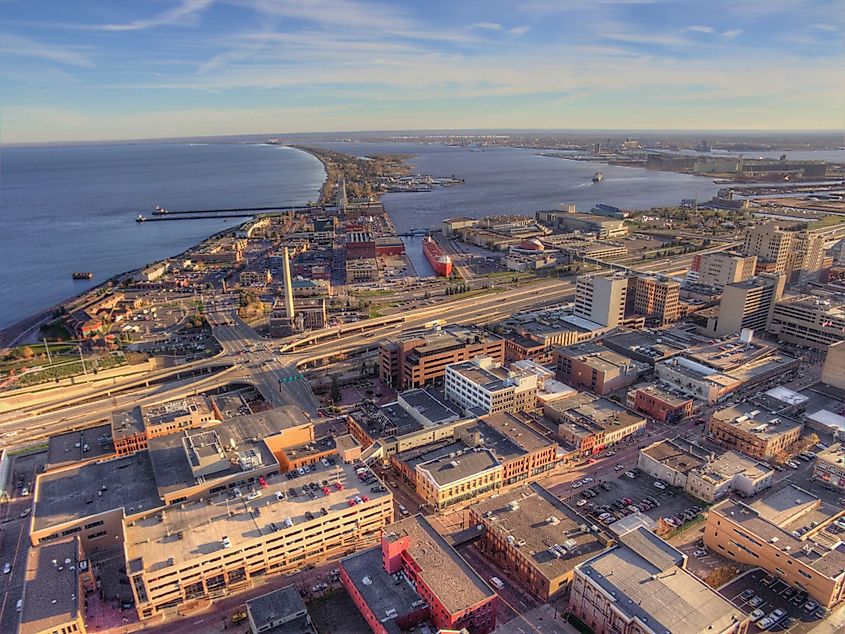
column 27, row 352
column 334, row 391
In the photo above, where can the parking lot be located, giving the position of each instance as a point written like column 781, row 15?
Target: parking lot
column 758, row 588
column 611, row 496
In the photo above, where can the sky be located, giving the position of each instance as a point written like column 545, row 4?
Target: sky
column 121, row 69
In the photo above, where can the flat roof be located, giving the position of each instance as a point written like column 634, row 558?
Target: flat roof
column 730, row 354
column 643, row 344
column 382, row 593
column 674, row 456
column 539, row 522
column 163, row 413
column 780, row 505
column 599, row 357
column 428, row 406
column 643, row 576
column 50, row 592
column 183, row 532
column 127, row 423
column 74, row 493
column 508, row 426
column 71, row 446
column 446, row 469
column 586, row 414
column 491, row 379
column 170, row 460
column 664, row 395
column 457, row 585
column 732, row 463
column 757, row 422
column 835, row 455
column 281, row 603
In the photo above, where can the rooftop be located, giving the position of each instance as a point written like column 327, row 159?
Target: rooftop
column 442, row 569
column 283, row 603
column 432, row 410
column 505, row 426
column 664, row 395
column 70, row 494
column 645, row 577
column 193, row 529
column 127, row 423
column 726, row 355
column 382, row 593
column 448, row 468
column 492, row 379
column 587, row 414
column 782, row 505
column 536, row 521
column 757, row 422
column 640, row 345
column 600, row 358
column 674, row 456
column 52, row 584
column 732, row 463
column 835, row 455
column 84, row 444
column 165, row 413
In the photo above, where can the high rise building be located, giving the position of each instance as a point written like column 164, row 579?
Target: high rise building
column 770, row 244
column 721, row 269
column 747, row 304
column 797, row 254
column 657, row 299
column 601, row 299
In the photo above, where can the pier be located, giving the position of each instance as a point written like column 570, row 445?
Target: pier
column 160, row 213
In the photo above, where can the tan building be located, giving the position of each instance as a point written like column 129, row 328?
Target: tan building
column 601, row 298
column 642, row 586
column 770, row 244
column 497, row 451
column 785, row 534
column 656, row 299
column 535, row 538
column 722, row 268
column 811, row 320
column 362, row 271
column 571, row 220
column 796, row 254
column 833, row 370
column 421, row 358
column 596, row 368
column 829, row 466
column 591, row 423
column 744, row 305
column 53, row 595
column 482, row 387
column 281, row 610
column 753, row 432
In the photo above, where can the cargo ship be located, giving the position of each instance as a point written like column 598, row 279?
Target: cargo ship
column 82, row 275
column 440, row 262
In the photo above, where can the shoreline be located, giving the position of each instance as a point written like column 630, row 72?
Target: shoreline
column 11, row 334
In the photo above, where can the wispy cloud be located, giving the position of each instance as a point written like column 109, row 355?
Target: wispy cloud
column 20, row 46
column 185, row 10
column 733, row 33
column 700, row 28
column 487, row 26
column 830, row 28
column 519, row 30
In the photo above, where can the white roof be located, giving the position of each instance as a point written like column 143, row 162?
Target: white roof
column 826, row 417
column 787, row 396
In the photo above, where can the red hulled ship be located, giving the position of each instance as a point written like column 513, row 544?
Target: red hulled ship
column 440, row 262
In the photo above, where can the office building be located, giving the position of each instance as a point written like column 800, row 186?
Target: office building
column 535, row 537
column 590, row 423
column 601, row 299
column 421, row 358
column 816, row 320
column 829, row 466
column 796, row 254
column 787, row 534
column 642, row 586
column 722, row 268
column 53, row 594
column 571, row 220
column 753, row 432
column 744, row 305
column 596, row 368
column 414, row 577
column 662, row 405
column 279, row 611
column 833, row 370
column 483, row 387
column 363, row 271
column 655, row 298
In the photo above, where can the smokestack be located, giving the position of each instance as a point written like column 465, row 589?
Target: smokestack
column 288, row 287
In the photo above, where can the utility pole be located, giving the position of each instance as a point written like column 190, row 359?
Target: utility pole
column 47, row 348
column 81, row 358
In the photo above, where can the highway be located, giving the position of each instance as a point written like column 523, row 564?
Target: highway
column 259, row 362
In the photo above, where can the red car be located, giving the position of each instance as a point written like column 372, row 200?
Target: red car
column 262, row 482
column 350, row 502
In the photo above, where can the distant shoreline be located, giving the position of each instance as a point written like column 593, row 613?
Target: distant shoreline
column 10, row 335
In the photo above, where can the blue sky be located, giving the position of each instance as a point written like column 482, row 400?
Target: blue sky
column 117, row 69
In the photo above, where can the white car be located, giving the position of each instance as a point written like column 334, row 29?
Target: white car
column 756, row 615
column 658, row 484
column 7, row 568
column 581, row 502
column 587, row 480
column 576, row 485
column 630, row 474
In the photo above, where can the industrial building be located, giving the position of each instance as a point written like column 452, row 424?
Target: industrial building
column 535, row 538
column 570, row 220
column 790, row 533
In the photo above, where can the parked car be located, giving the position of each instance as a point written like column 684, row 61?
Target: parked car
column 7, row 568
column 756, row 615
column 746, row 594
column 755, row 601
column 630, row 474
column 658, row 484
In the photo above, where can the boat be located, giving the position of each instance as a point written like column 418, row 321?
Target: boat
column 82, row 275
column 140, row 218
column 159, row 210
column 598, row 177
column 439, row 261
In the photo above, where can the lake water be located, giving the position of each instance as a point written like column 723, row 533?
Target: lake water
column 65, row 209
